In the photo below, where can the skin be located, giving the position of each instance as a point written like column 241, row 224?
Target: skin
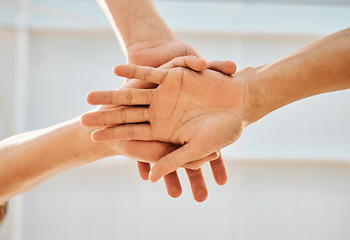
column 211, row 105
column 146, row 40
column 193, row 170
column 181, row 110
column 2, row 212
column 29, row 158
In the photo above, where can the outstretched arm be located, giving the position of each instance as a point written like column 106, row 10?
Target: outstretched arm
column 320, row 67
column 210, row 105
column 29, row 158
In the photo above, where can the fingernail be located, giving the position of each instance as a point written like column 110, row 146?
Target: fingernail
column 151, row 178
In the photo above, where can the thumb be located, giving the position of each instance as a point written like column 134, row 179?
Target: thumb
column 174, row 160
column 190, row 62
column 227, row 67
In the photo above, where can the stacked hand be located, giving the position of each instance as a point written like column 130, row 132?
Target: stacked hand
column 155, row 54
column 179, row 114
column 187, row 109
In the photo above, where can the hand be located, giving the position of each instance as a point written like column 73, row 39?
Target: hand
column 149, row 151
column 155, row 54
column 194, row 173
column 147, row 40
column 187, row 108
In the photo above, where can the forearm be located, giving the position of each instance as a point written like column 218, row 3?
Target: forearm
column 320, row 67
column 29, row 158
column 135, row 21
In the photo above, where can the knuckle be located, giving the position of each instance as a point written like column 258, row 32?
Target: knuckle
column 149, row 97
column 131, row 132
column 111, row 98
column 195, row 175
column 122, row 115
column 129, row 96
column 148, row 74
column 170, row 163
column 150, row 131
column 104, row 118
column 145, row 114
column 134, row 72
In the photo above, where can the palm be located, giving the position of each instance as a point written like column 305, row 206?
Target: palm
column 191, row 109
column 203, row 111
column 156, row 56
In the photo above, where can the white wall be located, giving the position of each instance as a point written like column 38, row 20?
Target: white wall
column 7, row 72
column 65, row 66
column 288, row 174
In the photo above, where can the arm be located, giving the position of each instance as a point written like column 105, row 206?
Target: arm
column 136, row 22
column 29, row 158
column 320, row 67
column 219, row 110
column 143, row 35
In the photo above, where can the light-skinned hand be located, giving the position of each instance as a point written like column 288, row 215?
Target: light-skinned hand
column 202, row 111
column 154, row 54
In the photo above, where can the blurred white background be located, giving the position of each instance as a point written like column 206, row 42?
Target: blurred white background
column 289, row 174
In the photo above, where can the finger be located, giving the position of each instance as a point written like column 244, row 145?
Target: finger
column 195, row 165
column 172, row 184
column 198, row 164
column 226, row 67
column 115, row 116
column 198, row 187
column 191, row 62
column 144, row 169
column 147, row 74
column 137, row 84
column 145, row 151
column 124, row 132
column 121, row 97
column 219, row 170
column 173, row 160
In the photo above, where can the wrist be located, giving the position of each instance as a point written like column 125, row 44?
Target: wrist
column 135, row 21
column 89, row 150
column 147, row 39
column 147, row 48
column 255, row 96
column 268, row 89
